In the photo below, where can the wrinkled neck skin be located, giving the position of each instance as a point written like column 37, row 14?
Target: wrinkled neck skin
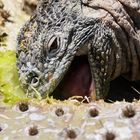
column 48, row 43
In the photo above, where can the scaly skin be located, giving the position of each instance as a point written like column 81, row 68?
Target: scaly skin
column 60, row 30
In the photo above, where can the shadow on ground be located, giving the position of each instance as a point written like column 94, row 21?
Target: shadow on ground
column 121, row 89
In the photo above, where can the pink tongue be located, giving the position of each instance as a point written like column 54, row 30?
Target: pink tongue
column 77, row 81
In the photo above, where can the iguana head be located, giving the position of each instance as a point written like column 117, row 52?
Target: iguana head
column 49, row 42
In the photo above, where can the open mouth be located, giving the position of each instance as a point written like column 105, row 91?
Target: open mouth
column 77, row 81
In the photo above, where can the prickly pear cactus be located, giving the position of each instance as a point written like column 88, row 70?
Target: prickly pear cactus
column 70, row 120
column 22, row 118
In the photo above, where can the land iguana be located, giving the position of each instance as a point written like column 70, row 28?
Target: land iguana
column 79, row 44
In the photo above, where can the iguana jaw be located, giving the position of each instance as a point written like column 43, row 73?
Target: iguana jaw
column 77, row 81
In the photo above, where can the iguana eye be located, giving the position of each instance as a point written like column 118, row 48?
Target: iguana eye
column 53, row 45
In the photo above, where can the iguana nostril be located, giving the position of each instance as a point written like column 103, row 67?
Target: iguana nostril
column 35, row 81
column 32, row 77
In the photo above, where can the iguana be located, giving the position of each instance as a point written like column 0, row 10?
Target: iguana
column 79, row 44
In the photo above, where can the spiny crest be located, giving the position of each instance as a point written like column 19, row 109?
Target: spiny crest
column 59, row 12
